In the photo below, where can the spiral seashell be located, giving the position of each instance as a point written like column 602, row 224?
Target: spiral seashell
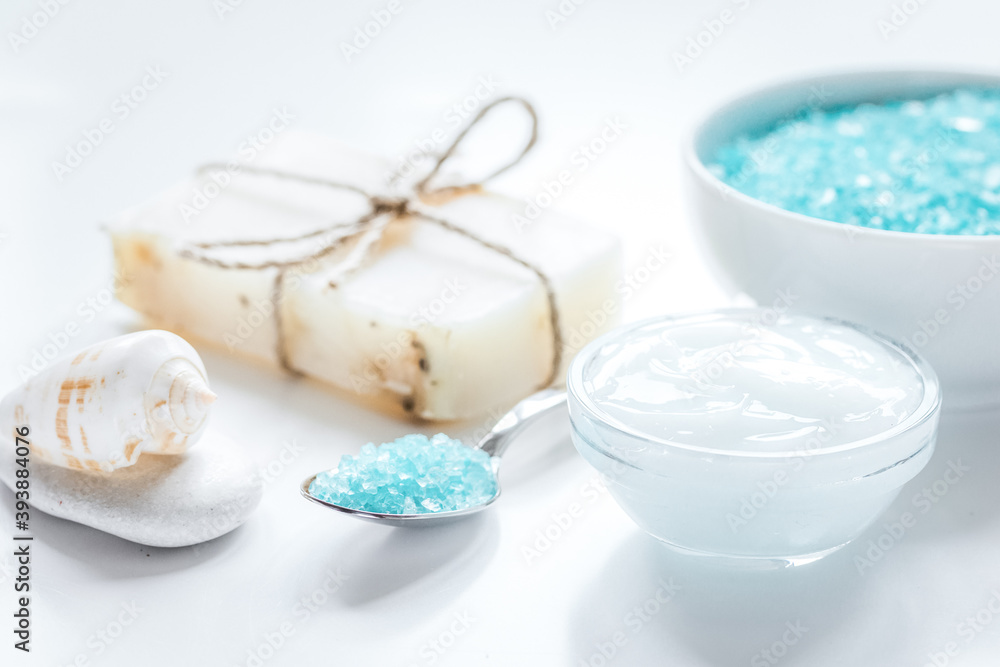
column 99, row 410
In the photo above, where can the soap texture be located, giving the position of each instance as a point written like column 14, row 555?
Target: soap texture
column 411, row 475
column 432, row 324
column 928, row 166
column 162, row 500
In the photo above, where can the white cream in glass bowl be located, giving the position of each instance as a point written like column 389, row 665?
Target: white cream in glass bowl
column 750, row 435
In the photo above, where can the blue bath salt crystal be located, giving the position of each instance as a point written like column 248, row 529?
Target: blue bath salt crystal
column 411, row 475
column 929, row 166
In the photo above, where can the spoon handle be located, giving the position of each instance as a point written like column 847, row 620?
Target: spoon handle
column 525, row 412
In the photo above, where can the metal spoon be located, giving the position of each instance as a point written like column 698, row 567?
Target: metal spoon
column 495, row 443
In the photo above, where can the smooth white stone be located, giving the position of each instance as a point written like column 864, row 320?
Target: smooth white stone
column 162, row 501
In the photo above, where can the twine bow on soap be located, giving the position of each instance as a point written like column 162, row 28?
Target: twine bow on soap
column 367, row 231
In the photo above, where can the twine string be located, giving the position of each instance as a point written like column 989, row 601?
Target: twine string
column 421, row 186
column 367, row 231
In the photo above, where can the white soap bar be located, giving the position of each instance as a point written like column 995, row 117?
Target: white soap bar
column 432, row 323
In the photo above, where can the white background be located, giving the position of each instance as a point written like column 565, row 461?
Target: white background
column 216, row 604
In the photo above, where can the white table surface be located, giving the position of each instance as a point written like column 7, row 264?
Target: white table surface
column 468, row 589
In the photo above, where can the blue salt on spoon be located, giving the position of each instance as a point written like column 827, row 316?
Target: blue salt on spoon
column 321, row 487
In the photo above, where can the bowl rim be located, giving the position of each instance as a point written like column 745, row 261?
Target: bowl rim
column 733, row 102
column 928, row 408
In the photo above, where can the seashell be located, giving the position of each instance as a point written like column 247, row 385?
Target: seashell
column 145, row 392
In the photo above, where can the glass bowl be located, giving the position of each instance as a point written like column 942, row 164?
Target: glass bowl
column 716, row 497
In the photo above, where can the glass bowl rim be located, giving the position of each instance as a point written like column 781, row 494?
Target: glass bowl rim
column 929, row 406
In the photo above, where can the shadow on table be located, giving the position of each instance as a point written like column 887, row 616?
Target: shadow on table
column 111, row 557
column 408, row 571
column 652, row 606
column 957, row 492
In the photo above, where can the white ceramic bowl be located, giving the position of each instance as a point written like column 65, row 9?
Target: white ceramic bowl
column 938, row 294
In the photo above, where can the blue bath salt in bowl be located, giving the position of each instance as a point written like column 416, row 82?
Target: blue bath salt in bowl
column 411, row 475
column 928, row 166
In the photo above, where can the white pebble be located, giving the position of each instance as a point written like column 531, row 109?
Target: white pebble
column 162, row 501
